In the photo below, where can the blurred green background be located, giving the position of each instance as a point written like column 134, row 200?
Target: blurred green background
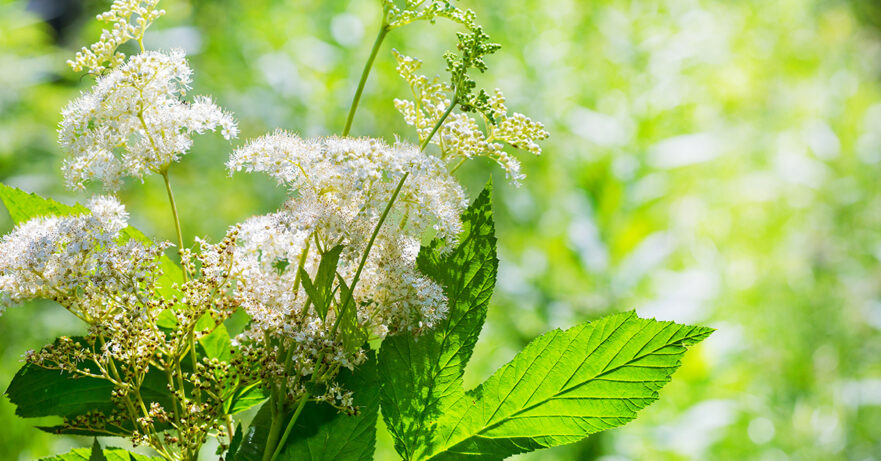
column 711, row 162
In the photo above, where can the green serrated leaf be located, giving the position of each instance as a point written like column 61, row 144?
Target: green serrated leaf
column 109, row 454
column 422, row 376
column 321, row 432
column 23, row 206
column 37, row 392
column 564, row 386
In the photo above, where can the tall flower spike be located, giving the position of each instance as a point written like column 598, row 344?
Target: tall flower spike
column 135, row 121
column 460, row 137
column 130, row 20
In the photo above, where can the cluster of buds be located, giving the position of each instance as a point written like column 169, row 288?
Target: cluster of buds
column 130, row 20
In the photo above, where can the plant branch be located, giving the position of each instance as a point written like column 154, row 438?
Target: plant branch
column 290, row 426
column 383, row 31
column 440, row 122
column 180, row 237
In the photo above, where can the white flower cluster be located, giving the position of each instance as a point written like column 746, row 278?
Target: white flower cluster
column 351, row 180
column 79, row 261
column 134, row 121
column 460, row 136
column 130, row 20
column 341, row 187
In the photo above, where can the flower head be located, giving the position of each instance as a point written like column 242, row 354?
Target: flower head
column 79, row 261
column 340, row 188
column 134, row 121
column 353, row 180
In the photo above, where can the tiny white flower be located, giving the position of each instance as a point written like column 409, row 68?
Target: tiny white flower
column 134, row 121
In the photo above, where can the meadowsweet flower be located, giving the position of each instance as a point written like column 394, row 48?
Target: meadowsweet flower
column 354, row 179
column 460, row 137
column 77, row 260
column 134, row 121
column 390, row 296
column 130, row 20
column 340, row 188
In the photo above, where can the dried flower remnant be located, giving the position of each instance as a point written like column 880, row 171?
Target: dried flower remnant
column 128, row 348
column 460, row 137
column 134, row 121
column 130, row 20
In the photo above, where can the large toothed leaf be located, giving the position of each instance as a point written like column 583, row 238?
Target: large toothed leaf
column 110, row 454
column 321, row 432
column 40, row 392
column 564, row 386
column 422, row 376
column 23, row 206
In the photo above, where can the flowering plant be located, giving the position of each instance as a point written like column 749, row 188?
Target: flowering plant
column 348, row 312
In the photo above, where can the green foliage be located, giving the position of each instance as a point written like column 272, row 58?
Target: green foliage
column 23, row 206
column 321, row 290
column 564, row 386
column 422, row 376
column 245, row 397
column 37, row 391
column 324, row 434
column 321, row 432
column 97, row 454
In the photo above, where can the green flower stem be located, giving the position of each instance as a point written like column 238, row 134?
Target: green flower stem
column 274, row 431
column 440, row 122
column 383, row 31
column 382, row 218
column 290, row 426
column 461, row 162
column 180, row 237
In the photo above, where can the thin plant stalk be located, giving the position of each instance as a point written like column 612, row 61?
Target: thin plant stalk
column 180, row 237
column 440, row 122
column 290, row 426
column 383, row 31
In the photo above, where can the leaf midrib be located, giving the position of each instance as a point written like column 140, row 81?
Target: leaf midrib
column 488, row 427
